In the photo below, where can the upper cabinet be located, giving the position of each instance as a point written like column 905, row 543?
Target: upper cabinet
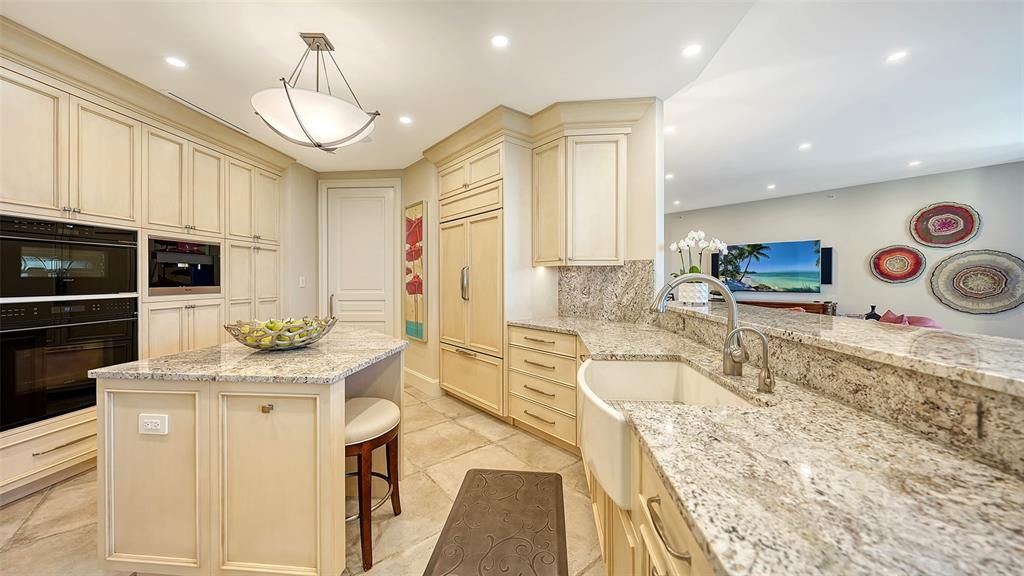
column 253, row 204
column 579, row 201
column 182, row 185
column 480, row 168
column 105, row 164
column 33, row 146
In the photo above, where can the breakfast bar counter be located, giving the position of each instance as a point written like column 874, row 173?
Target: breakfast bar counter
column 228, row 459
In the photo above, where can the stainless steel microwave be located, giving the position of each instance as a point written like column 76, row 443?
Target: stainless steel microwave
column 183, row 267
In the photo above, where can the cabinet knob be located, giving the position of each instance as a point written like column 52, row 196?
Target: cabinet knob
column 77, row 210
column 267, row 408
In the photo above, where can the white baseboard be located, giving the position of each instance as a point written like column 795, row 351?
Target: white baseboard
column 421, row 380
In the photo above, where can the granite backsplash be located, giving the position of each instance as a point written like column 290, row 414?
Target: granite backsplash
column 613, row 293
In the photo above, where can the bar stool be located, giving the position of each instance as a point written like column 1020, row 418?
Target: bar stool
column 369, row 424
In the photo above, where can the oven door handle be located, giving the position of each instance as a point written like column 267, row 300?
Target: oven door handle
column 61, row 240
column 48, row 326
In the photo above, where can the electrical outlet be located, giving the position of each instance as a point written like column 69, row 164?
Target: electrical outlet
column 153, row 424
column 302, row 281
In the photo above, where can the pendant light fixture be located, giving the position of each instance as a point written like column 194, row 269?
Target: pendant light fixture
column 311, row 117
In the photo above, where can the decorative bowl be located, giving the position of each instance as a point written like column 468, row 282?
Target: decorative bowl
column 284, row 334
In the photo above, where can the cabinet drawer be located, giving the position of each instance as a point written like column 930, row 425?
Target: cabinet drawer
column 452, row 180
column 543, row 418
column 46, row 448
column 558, row 368
column 673, row 530
column 473, row 376
column 554, row 342
column 543, row 392
column 471, row 202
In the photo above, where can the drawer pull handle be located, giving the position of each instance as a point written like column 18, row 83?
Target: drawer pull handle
column 538, row 364
column 64, row 445
column 659, row 529
column 545, row 420
column 267, row 408
column 466, row 352
column 538, row 340
column 538, row 391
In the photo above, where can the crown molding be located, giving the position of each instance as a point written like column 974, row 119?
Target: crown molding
column 499, row 121
column 39, row 53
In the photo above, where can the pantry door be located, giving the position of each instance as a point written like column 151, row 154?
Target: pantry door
column 361, row 256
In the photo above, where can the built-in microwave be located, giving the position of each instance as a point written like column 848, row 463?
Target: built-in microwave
column 183, row 267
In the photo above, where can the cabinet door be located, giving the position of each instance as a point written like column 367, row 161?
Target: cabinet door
column 474, row 377
column 267, row 208
column 164, row 329
column 106, row 164
column 33, row 146
column 267, row 309
column 206, row 185
column 452, row 271
column 240, row 293
column 267, row 280
column 549, row 204
column 452, row 180
column 164, row 180
column 241, row 179
column 267, row 484
column 596, row 184
column 243, row 310
column 207, row 324
column 485, row 309
column 484, row 167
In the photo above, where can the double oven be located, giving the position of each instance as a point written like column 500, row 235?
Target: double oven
column 68, row 304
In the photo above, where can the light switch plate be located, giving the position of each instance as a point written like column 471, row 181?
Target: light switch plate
column 153, row 424
column 302, row 281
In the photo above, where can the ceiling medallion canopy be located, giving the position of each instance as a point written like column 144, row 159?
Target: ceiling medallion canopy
column 311, row 117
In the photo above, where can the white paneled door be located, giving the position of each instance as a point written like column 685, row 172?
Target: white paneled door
column 362, row 256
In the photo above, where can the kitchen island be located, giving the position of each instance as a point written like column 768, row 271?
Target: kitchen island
column 226, row 460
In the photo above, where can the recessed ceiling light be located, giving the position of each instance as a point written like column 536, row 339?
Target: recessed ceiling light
column 896, row 56
column 176, row 62
column 805, row 146
column 669, row 129
column 676, row 202
column 499, row 41
column 913, row 163
column 405, row 120
column 771, row 186
column 692, row 50
column 669, row 176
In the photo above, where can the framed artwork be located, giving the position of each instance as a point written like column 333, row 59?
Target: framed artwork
column 414, row 301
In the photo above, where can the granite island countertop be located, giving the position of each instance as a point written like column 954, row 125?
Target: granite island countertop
column 339, row 354
column 801, row 484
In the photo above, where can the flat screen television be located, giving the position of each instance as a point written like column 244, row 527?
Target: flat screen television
column 793, row 267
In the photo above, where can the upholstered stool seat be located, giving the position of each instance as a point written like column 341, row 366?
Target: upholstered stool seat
column 369, row 424
column 367, row 418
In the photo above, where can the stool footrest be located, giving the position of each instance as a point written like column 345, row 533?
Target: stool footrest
column 378, row 503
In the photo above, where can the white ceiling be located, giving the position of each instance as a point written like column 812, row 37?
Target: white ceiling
column 817, row 72
column 430, row 61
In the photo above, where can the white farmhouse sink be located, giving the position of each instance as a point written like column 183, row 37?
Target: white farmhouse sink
column 604, row 435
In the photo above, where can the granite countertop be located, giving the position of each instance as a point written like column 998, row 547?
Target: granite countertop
column 801, row 484
column 990, row 362
column 342, row 352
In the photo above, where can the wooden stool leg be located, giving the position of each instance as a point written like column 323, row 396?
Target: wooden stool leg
column 365, row 463
column 392, row 457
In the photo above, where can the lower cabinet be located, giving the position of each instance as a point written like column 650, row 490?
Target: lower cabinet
column 43, row 453
column 474, row 377
column 177, row 326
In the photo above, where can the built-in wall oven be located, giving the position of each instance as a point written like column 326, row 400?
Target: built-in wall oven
column 183, row 267
column 68, row 304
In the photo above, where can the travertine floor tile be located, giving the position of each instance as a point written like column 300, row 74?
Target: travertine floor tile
column 441, row 442
column 420, row 416
column 487, row 426
column 69, row 553
column 423, row 391
column 573, row 478
column 449, row 474
column 15, row 513
column 451, row 407
column 67, row 506
column 596, row 569
column 581, row 532
column 537, row 453
column 412, row 562
column 410, row 400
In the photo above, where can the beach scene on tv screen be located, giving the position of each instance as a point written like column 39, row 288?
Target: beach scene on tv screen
column 773, row 267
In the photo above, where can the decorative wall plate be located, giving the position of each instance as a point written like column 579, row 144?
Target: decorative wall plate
column 979, row 281
column 945, row 224
column 897, row 264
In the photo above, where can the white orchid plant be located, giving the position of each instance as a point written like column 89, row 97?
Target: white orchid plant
column 685, row 247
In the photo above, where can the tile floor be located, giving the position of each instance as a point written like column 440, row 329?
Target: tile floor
column 53, row 532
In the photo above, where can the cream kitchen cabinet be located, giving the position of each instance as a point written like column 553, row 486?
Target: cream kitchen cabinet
column 33, row 147
column 472, row 308
column 172, row 327
column 41, row 453
column 474, row 377
column 253, row 281
column 105, row 165
column 479, row 168
column 579, row 201
column 182, row 185
column 253, row 203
